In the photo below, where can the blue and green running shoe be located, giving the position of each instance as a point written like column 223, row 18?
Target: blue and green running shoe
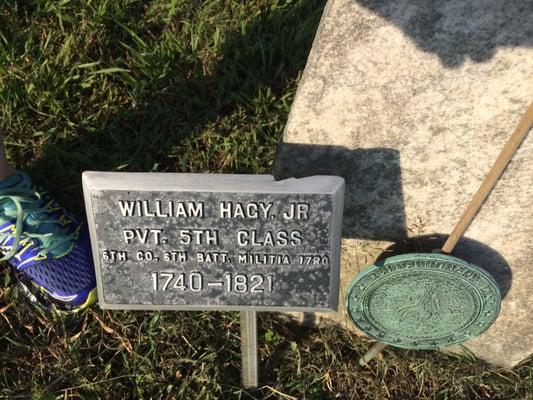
column 49, row 251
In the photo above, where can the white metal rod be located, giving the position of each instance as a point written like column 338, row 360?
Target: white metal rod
column 250, row 369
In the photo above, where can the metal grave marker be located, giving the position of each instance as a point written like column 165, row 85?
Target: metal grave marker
column 423, row 301
column 172, row 241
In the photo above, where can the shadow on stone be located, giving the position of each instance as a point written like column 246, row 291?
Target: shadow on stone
column 373, row 202
column 459, row 30
column 467, row 249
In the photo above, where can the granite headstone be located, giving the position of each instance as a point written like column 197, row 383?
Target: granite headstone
column 215, row 242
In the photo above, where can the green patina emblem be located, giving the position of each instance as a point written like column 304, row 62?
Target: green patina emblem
column 423, row 301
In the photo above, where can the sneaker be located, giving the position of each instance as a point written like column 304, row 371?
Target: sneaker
column 49, row 251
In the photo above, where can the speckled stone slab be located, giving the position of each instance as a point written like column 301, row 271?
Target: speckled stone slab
column 411, row 102
column 224, row 242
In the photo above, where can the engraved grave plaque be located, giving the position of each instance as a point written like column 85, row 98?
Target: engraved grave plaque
column 215, row 242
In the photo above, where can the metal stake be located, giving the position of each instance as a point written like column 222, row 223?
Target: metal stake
column 250, row 369
column 370, row 354
column 505, row 156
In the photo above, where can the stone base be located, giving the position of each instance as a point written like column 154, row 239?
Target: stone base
column 411, row 102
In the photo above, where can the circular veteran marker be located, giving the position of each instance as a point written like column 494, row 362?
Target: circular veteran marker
column 423, row 301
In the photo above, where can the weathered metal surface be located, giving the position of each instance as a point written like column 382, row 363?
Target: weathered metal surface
column 423, row 301
column 226, row 242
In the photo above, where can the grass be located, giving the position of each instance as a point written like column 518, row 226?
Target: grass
column 177, row 86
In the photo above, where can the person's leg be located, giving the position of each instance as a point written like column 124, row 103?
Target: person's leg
column 48, row 250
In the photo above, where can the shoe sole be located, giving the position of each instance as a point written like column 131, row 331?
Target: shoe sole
column 40, row 298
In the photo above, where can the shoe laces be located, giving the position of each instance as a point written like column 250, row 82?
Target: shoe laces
column 27, row 202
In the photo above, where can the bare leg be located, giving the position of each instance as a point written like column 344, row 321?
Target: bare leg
column 5, row 169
